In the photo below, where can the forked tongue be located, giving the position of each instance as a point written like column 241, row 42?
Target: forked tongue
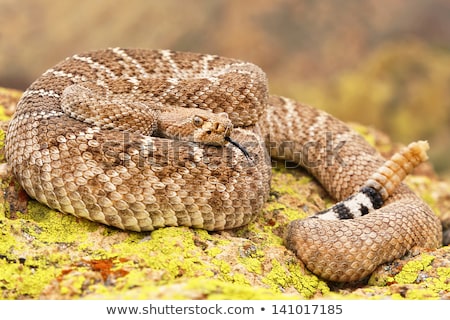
column 237, row 145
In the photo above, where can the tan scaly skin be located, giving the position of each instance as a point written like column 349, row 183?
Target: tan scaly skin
column 80, row 142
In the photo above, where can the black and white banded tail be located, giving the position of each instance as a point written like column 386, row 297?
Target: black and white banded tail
column 380, row 185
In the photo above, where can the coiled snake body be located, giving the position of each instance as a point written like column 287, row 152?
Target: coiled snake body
column 141, row 139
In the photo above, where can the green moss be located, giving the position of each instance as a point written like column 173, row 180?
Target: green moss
column 171, row 250
column 213, row 251
column 10, row 248
column 306, row 284
column 50, row 226
column 224, row 267
column 280, row 278
column 25, row 280
column 74, row 285
column 276, row 278
column 421, row 294
column 410, row 270
column 253, row 265
column 217, row 290
column 22, row 273
column 28, row 264
column 263, row 231
column 291, row 214
column 202, row 288
column 284, row 182
column 133, row 279
column 46, row 254
column 252, row 258
column 443, row 280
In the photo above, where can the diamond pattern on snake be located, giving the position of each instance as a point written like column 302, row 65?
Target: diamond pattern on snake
column 143, row 139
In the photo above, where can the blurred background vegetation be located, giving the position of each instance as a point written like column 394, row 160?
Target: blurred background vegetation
column 384, row 63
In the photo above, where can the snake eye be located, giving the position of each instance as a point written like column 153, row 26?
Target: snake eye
column 197, row 121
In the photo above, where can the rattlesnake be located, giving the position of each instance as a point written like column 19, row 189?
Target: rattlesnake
column 142, row 139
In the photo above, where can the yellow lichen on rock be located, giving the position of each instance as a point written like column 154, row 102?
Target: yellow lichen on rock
column 45, row 254
column 410, row 271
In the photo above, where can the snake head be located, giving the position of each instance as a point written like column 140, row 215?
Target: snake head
column 213, row 129
column 195, row 125
column 216, row 130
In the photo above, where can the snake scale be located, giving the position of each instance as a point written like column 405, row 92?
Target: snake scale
column 142, row 139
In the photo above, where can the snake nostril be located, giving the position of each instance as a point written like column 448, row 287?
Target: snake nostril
column 228, row 130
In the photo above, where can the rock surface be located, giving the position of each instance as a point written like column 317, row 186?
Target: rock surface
column 48, row 255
